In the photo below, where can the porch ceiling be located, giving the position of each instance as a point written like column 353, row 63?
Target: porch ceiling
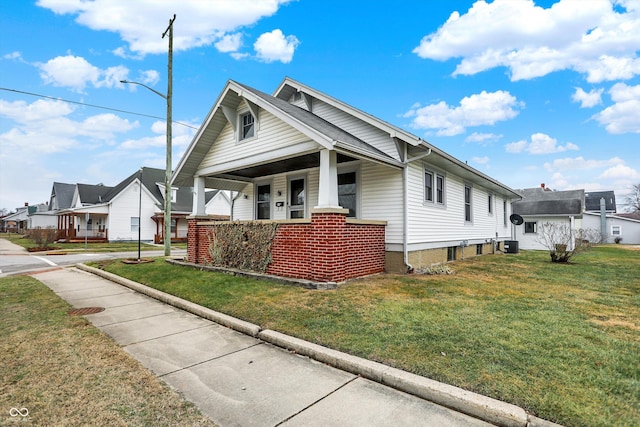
column 306, row 161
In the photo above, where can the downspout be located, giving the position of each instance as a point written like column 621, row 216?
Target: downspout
column 233, row 202
column 405, row 211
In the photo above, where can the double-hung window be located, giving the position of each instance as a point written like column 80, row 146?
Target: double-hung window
column 428, row 186
column 247, row 126
column 263, row 201
column 467, row 203
column 433, row 187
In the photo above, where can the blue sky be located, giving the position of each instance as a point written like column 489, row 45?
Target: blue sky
column 528, row 92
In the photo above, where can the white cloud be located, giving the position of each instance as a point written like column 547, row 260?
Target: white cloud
column 482, row 138
column 44, row 127
column 149, row 77
column 485, row 108
column 275, row 46
column 620, row 171
column 69, row 71
column 76, row 73
column 16, row 56
column 229, row 43
column 481, row 160
column 580, row 163
column 622, row 116
column 587, row 100
column 140, row 23
column 540, row 144
column 181, row 137
column 532, row 41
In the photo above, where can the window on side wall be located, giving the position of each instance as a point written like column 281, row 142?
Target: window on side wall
column 135, row 223
column 467, row 203
column 247, row 126
column 504, row 212
column 530, row 227
column 433, row 187
column 428, row 186
column 490, row 201
column 616, row 230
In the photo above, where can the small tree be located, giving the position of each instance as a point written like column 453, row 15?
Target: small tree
column 563, row 242
column 43, row 237
column 633, row 198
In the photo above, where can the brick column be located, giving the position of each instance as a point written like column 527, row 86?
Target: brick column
column 327, row 244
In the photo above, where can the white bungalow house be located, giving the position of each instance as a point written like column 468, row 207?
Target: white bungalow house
column 348, row 193
column 135, row 206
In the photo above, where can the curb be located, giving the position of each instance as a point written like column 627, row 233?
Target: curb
column 482, row 407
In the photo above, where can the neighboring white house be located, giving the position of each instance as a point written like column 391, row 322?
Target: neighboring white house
column 616, row 226
column 541, row 205
column 300, row 152
column 135, row 206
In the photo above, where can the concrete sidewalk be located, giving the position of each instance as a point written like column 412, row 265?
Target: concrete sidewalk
column 241, row 379
column 9, row 248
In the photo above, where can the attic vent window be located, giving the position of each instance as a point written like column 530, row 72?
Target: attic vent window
column 247, row 129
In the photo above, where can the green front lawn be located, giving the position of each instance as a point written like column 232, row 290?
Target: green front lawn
column 27, row 243
column 561, row 341
column 65, row 372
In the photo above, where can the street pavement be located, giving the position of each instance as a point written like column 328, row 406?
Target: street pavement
column 236, row 379
column 15, row 259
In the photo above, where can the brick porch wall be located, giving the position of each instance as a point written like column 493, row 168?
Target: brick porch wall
column 329, row 248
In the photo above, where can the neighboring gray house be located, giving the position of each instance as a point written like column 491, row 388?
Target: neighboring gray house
column 46, row 214
column 539, row 206
column 592, row 200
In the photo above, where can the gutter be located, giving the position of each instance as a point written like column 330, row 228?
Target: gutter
column 405, row 211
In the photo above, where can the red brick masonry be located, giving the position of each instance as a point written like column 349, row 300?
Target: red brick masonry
column 327, row 248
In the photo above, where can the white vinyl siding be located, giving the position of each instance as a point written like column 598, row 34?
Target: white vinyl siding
column 124, row 207
column 274, row 134
column 381, row 198
column 357, row 128
column 431, row 225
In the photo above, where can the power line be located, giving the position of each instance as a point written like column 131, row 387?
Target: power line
column 94, row 106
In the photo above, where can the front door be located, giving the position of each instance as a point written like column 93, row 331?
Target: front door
column 297, row 198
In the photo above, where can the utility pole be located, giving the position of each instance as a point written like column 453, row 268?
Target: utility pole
column 167, row 177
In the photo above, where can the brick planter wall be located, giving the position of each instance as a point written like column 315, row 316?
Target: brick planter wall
column 329, row 248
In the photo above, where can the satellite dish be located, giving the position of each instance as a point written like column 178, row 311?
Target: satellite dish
column 516, row 219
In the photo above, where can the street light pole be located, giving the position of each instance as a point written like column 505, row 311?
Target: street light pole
column 167, row 176
column 168, row 167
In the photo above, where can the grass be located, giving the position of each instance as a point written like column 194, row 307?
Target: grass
column 561, row 341
column 27, row 243
column 66, row 372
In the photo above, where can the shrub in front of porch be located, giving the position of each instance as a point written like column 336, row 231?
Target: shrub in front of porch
column 244, row 246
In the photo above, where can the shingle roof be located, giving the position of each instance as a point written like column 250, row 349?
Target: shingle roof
column 93, row 194
column 150, row 177
column 536, row 201
column 63, row 195
column 592, row 200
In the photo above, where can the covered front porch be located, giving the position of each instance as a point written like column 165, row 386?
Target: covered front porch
column 311, row 208
column 83, row 225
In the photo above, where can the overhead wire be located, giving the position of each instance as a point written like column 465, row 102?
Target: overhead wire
column 94, row 106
